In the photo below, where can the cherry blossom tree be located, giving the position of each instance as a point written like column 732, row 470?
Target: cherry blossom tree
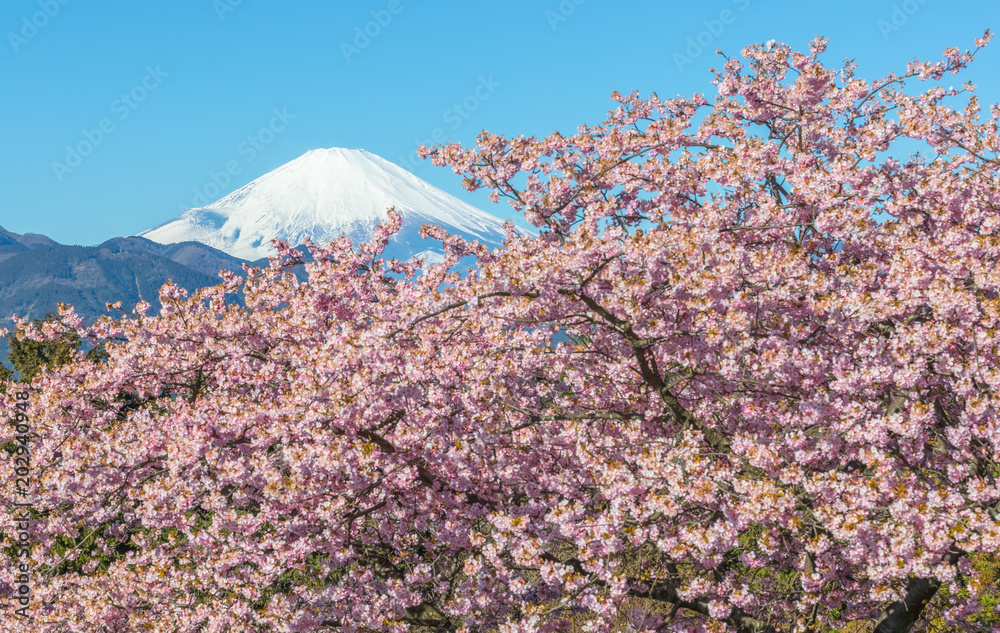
column 744, row 379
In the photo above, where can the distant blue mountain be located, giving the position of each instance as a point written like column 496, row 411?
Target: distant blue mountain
column 36, row 273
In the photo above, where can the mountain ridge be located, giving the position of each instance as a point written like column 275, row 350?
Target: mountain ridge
column 33, row 280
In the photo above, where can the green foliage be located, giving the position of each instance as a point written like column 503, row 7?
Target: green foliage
column 987, row 591
column 77, row 553
column 28, row 357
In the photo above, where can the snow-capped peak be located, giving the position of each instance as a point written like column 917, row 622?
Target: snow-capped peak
column 322, row 194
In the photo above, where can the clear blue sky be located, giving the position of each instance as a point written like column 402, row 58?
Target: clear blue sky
column 216, row 71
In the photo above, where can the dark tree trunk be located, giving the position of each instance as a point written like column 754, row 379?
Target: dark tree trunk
column 901, row 616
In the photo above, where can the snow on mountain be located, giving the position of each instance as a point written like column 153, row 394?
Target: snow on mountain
column 325, row 193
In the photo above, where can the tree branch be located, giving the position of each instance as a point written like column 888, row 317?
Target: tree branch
column 901, row 616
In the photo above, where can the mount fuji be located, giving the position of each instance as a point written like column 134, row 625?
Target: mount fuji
column 325, row 193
